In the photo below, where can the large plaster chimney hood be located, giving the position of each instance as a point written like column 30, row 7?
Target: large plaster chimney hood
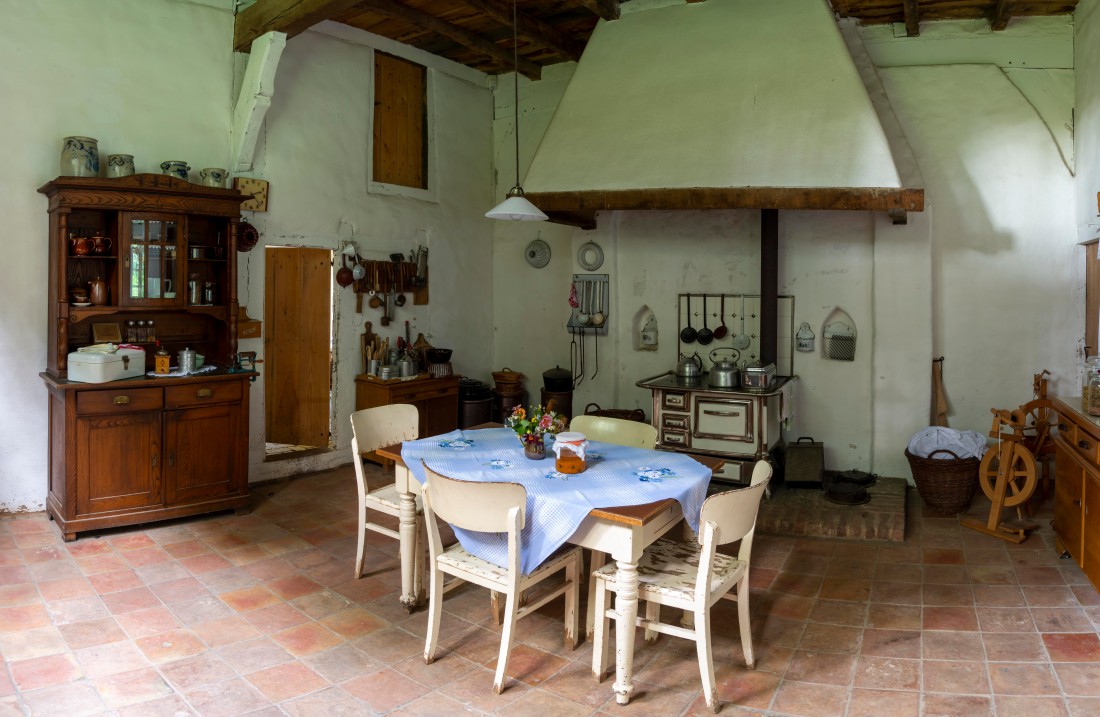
column 715, row 105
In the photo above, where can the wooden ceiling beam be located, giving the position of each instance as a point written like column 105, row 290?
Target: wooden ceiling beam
column 292, row 17
column 477, row 43
column 1001, row 15
column 605, row 9
column 535, row 30
column 912, row 18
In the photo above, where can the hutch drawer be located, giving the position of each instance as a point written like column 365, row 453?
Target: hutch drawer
column 118, row 400
column 201, row 394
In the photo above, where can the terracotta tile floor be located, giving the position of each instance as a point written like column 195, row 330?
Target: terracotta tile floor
column 257, row 615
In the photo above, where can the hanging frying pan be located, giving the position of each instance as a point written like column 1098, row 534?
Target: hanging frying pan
column 705, row 335
column 721, row 332
column 688, row 334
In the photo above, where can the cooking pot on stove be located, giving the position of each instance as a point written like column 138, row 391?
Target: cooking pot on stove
column 557, row 380
column 690, row 367
column 724, row 373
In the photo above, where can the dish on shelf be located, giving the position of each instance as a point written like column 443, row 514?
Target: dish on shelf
column 82, row 303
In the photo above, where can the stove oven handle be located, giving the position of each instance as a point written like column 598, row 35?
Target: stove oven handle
column 721, row 413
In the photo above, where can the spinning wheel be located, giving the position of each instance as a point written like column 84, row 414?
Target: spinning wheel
column 1020, row 474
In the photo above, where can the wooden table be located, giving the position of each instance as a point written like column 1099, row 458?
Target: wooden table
column 622, row 532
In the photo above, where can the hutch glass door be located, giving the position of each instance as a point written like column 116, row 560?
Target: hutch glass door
column 153, row 259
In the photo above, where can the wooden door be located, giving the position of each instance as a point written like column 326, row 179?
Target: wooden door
column 118, row 462
column 297, row 341
column 203, row 450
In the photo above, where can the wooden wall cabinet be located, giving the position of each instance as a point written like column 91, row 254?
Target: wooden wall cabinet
column 436, row 399
column 147, row 448
column 1077, row 486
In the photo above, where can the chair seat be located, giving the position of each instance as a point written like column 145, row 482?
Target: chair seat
column 456, row 557
column 670, row 568
column 387, row 498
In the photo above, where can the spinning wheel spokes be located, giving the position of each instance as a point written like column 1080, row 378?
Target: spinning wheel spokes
column 1020, row 475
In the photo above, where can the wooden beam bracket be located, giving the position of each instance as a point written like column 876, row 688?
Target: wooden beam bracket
column 256, row 90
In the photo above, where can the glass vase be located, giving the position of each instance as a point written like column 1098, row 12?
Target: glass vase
column 534, row 450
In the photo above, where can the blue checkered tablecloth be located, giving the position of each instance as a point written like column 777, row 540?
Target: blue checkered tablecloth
column 557, row 502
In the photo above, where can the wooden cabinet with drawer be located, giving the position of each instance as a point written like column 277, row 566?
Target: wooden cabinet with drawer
column 134, row 451
column 436, row 400
column 1077, row 486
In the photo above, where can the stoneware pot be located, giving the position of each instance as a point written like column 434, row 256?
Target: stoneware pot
column 213, row 177
column 97, row 291
column 80, row 157
column 175, row 168
column 120, row 165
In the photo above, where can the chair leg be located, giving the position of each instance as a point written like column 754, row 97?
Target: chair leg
column 435, row 611
column 706, row 659
column 361, row 549
column 743, row 620
column 652, row 613
column 511, row 611
column 572, row 601
column 597, row 562
column 600, row 637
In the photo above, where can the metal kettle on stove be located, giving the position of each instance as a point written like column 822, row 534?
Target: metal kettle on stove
column 690, row 368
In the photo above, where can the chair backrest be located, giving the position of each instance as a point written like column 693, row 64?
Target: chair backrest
column 373, row 428
column 472, row 505
column 732, row 512
column 615, row 430
column 761, row 472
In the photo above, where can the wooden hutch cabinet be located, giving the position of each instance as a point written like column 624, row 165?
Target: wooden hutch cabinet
column 144, row 448
column 1077, row 486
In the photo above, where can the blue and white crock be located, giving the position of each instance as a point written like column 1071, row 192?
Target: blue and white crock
column 80, row 157
column 175, row 169
column 120, row 165
column 213, row 177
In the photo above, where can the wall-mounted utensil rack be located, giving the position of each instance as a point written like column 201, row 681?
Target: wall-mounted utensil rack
column 592, row 315
column 734, row 316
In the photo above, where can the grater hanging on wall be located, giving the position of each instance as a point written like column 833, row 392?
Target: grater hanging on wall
column 840, row 341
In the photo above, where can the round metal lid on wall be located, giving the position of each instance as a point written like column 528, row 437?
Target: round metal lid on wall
column 590, row 256
column 537, row 253
column 247, row 237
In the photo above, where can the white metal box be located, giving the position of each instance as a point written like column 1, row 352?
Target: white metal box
column 103, row 366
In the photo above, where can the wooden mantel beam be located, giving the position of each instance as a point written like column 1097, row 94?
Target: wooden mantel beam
column 477, row 43
column 1001, row 15
column 912, row 18
column 535, row 30
column 579, row 208
column 605, row 9
column 292, row 17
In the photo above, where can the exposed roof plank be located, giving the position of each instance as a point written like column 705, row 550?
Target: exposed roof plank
column 533, row 29
column 1001, row 14
column 605, row 9
column 397, row 10
column 292, row 17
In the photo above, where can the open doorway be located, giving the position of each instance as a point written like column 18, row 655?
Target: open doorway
column 297, row 350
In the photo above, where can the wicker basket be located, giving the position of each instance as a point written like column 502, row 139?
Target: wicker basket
column 946, row 486
column 507, row 378
column 626, row 414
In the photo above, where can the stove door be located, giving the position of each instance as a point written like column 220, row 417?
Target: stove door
column 723, row 424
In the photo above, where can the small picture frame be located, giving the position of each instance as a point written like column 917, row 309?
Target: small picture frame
column 107, row 333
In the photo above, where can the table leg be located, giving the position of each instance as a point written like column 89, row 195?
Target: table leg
column 598, row 559
column 410, row 561
column 626, row 609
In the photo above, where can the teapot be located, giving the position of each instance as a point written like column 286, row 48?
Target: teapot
column 724, row 373
column 101, row 244
column 690, row 368
column 82, row 246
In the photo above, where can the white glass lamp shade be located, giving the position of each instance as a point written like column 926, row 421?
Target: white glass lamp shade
column 516, row 208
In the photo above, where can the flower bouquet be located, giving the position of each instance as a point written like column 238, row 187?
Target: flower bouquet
column 530, row 428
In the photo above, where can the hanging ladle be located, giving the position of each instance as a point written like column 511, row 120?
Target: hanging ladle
column 598, row 318
column 705, row 335
column 741, row 341
column 721, row 331
column 582, row 313
column 688, row 334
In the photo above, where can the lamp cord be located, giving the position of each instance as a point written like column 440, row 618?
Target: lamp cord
column 515, row 78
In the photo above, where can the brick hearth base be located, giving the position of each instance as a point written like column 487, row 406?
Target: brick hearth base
column 804, row 511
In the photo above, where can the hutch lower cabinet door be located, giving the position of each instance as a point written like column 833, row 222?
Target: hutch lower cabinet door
column 204, row 452
column 118, row 462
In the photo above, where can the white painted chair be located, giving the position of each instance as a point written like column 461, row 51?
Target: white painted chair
column 493, row 508
column 615, row 430
column 373, row 428
column 761, row 472
column 691, row 576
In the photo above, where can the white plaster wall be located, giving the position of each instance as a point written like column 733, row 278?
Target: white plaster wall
column 162, row 92
column 314, row 152
column 1087, row 125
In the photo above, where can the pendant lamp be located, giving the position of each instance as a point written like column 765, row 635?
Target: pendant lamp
column 516, row 207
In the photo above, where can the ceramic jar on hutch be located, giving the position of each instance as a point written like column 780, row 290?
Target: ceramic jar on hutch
column 120, row 165
column 80, row 157
column 175, row 168
column 213, row 177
